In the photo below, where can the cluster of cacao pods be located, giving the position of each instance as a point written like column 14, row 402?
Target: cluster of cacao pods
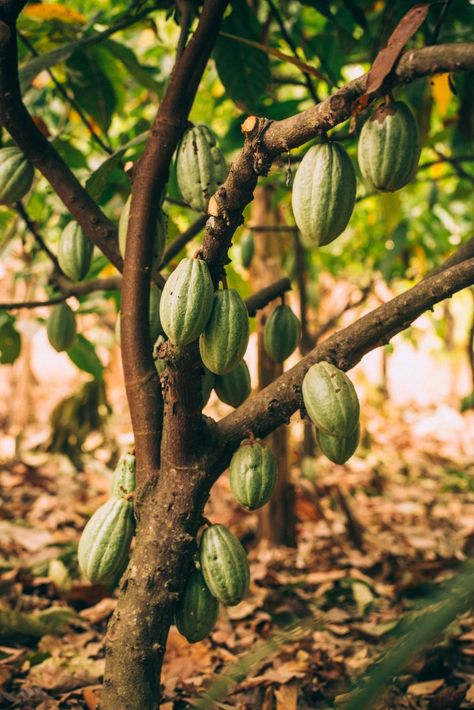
column 104, row 546
column 324, row 187
column 332, row 404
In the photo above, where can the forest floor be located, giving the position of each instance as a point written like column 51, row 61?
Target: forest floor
column 375, row 537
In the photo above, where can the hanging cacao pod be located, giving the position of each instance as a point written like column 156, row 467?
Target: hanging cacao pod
column 200, row 167
column 16, row 175
column 225, row 338
column 331, row 400
column 224, row 565
column 74, row 252
column 197, row 611
column 281, row 333
column 61, row 327
column 253, row 475
column 234, row 387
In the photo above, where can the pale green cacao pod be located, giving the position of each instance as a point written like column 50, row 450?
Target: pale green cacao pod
column 74, row 252
column 197, row 611
column 224, row 341
column 234, row 387
column 124, row 478
column 224, row 565
column 389, row 147
column 281, row 333
column 160, row 236
column 61, row 327
column 331, row 400
column 247, row 249
column 186, row 301
column 200, row 167
column 323, row 195
column 105, row 542
column 253, row 475
column 338, row 449
column 16, row 175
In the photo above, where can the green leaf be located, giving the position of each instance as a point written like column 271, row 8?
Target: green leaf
column 10, row 340
column 141, row 73
column 92, row 87
column 83, row 355
column 99, row 179
column 244, row 70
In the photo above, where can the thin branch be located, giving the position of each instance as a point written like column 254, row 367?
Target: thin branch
column 282, row 228
column 68, row 289
column 185, row 23
column 33, row 229
column 301, row 275
column 266, row 295
column 15, row 305
column 181, row 241
column 439, row 24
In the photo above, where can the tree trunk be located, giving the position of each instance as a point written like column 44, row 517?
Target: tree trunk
column 277, row 518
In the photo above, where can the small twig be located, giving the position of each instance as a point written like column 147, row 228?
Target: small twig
column 32, row 228
column 185, row 24
column 181, row 241
column 272, row 228
column 263, row 297
column 300, row 266
column 441, row 18
column 68, row 289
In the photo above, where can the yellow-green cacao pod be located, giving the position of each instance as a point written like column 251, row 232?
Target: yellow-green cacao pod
column 224, row 565
column 253, row 475
column 16, row 175
column 61, row 327
column 105, row 542
column 160, row 236
column 324, row 192
column 338, row 449
column 124, row 479
column 197, row 611
column 247, row 249
column 234, row 387
column 74, row 252
column 331, row 400
column 186, row 301
column 281, row 334
column 200, row 167
column 389, row 147
column 225, row 339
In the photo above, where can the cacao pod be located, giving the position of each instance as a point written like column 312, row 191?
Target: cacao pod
column 186, row 301
column 331, row 400
column 389, row 147
column 281, row 334
column 234, row 387
column 224, row 565
column 338, row 449
column 226, row 336
column 105, row 542
column 124, row 478
column 160, row 236
column 74, row 252
column 61, row 327
column 16, row 175
column 253, row 475
column 197, row 610
column 200, row 167
column 323, row 194
column 247, row 248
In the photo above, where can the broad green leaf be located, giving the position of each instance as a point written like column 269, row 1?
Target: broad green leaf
column 92, row 87
column 83, row 355
column 10, row 340
column 144, row 75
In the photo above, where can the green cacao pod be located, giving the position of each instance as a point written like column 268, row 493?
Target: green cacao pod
column 74, row 252
column 323, row 194
column 186, row 301
column 105, row 542
column 124, row 478
column 234, row 387
column 197, row 610
column 281, row 334
column 389, row 147
column 207, row 385
column 253, row 475
column 331, row 400
column 225, row 339
column 247, row 249
column 16, row 175
column 61, row 327
column 338, row 449
column 224, row 565
column 200, row 167
column 160, row 236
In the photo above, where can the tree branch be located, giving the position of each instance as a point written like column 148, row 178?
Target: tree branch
column 32, row 228
column 181, row 241
column 68, row 289
column 273, row 406
column 266, row 295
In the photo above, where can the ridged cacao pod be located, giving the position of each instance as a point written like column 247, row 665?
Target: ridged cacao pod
column 186, row 301
column 224, row 565
column 234, row 387
column 281, row 334
column 331, row 400
column 247, row 249
column 389, row 147
column 197, row 611
column 324, row 192
column 105, row 542
column 74, row 252
column 200, row 167
column 160, row 236
column 124, row 479
column 16, row 175
column 225, row 338
column 338, row 449
column 61, row 327
column 253, row 475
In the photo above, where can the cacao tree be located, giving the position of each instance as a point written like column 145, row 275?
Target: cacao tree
column 180, row 332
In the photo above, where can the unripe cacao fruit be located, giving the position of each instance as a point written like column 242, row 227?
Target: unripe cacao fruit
column 61, row 327
column 253, row 475
column 338, row 449
column 124, row 478
column 247, row 249
column 197, row 611
column 331, row 400
column 225, row 338
column 234, row 387
column 74, row 252
column 16, row 175
column 200, row 167
column 160, row 236
column 281, row 333
column 224, row 565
